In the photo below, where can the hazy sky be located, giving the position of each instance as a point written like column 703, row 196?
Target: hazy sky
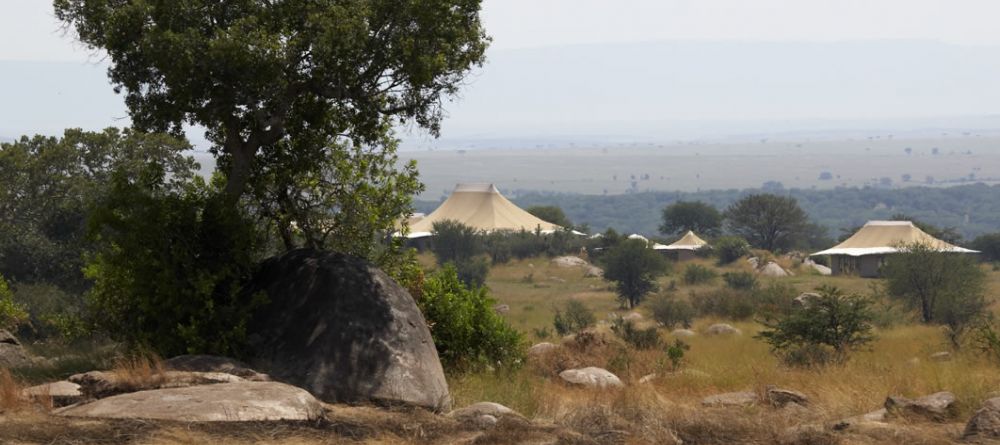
column 29, row 31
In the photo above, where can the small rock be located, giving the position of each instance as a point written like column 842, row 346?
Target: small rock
column 772, row 269
column 731, row 399
column 937, row 407
column 722, row 329
column 804, row 299
column 985, row 423
column 542, row 348
column 557, row 279
column 8, row 338
column 61, row 393
column 943, row 356
column 682, row 333
column 878, row 416
column 633, row 316
column 648, row 378
column 753, row 262
column 780, row 397
column 591, row 377
column 495, row 410
column 569, row 261
column 593, row 272
column 501, row 309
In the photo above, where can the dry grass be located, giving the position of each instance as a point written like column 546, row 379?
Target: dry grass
column 10, row 392
column 139, row 371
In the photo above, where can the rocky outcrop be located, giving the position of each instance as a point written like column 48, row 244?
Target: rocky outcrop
column 772, row 269
column 12, row 353
column 938, row 407
column 591, row 377
column 227, row 402
column 101, row 384
column 346, row 332
column 780, row 397
column 805, row 299
column 212, row 363
column 985, row 423
column 570, row 261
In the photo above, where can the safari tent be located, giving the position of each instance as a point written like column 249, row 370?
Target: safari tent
column 864, row 252
column 687, row 247
column 482, row 207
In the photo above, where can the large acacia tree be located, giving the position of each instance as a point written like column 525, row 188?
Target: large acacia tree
column 261, row 73
column 767, row 221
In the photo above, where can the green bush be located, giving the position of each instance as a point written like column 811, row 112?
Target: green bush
column 454, row 242
column 730, row 248
column 467, row 332
column 725, row 303
column 675, row 353
column 574, row 318
column 11, row 314
column 740, row 280
column 671, row 311
column 169, row 264
column 51, row 311
column 824, row 331
column 698, row 274
column 473, row 271
column 648, row 338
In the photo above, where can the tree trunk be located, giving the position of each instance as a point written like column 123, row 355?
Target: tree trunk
column 239, row 173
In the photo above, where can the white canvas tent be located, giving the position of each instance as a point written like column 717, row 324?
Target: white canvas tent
column 865, row 251
column 686, row 247
column 480, row 206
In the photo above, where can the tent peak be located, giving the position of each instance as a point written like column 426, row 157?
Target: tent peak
column 477, row 187
column 890, row 223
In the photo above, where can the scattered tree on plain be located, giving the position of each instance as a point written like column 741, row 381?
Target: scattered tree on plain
column 633, row 267
column 696, row 216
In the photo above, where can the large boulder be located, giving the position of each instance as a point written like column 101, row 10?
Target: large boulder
column 346, row 332
column 591, row 377
column 226, row 402
column 985, row 423
column 12, row 354
column 772, row 269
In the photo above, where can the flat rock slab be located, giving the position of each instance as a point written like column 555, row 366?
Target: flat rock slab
column 61, row 393
column 224, row 402
column 212, row 363
column 100, row 384
column 591, row 377
column 937, row 407
column 542, row 348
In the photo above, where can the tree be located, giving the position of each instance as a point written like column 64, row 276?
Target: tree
column 827, row 329
column 945, row 288
column 767, row 221
column 989, row 245
column 552, row 214
column 634, row 268
column 455, row 242
column 730, row 248
column 294, row 75
column 696, row 216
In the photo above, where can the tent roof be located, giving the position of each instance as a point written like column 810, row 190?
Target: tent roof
column 481, row 206
column 882, row 237
column 689, row 241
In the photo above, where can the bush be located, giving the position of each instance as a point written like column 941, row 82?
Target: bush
column 989, row 245
column 740, row 280
column 672, row 311
column 675, row 353
column 473, row 271
column 455, row 242
column 467, row 332
column 49, row 310
column 824, row 331
column 574, row 319
column 648, row 338
column 725, row 303
column 11, row 313
column 730, row 248
column 698, row 274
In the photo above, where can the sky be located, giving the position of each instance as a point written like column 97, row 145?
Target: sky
column 30, row 31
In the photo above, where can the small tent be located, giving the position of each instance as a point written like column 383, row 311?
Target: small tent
column 687, row 247
column 480, row 206
column 864, row 252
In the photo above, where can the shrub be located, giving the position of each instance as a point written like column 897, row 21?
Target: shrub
column 575, row 318
column 467, row 332
column 698, row 274
column 542, row 333
column 455, row 242
column 49, row 309
column 824, row 331
column 730, row 248
column 989, row 245
column 740, row 280
column 473, row 271
column 671, row 311
column 648, row 338
column 675, row 353
column 725, row 303
column 11, row 313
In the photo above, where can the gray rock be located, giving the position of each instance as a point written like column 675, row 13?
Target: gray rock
column 821, row 269
column 346, row 332
column 8, row 338
column 501, row 308
column 682, row 333
column 632, row 316
column 722, row 329
column 648, row 378
column 495, row 410
column 12, row 353
column 226, row 402
column 753, row 262
column 542, row 348
column 731, row 399
column 772, row 269
column 878, row 416
column 591, row 377
column 212, row 363
column 779, row 397
column 593, row 271
column 939, row 406
column 61, row 393
column 570, row 261
column 101, row 384
column 943, row 356
column 805, row 299
column 985, row 423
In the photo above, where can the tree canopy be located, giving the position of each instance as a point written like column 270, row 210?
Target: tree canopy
column 552, row 214
column 696, row 216
column 306, row 72
column 634, row 268
column 767, row 221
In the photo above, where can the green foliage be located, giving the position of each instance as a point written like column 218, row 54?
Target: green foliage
column 987, row 340
column 542, row 333
column 258, row 74
column 552, row 214
column 504, row 245
column 771, row 301
column 633, row 268
column 672, row 311
column 573, row 318
column 53, row 313
column 698, row 274
column 696, row 216
column 675, row 353
column 455, row 242
column 730, row 248
column 11, row 314
column 989, row 245
column 473, row 271
column 945, row 288
column 823, row 331
column 170, row 259
column 468, row 333
column 648, row 338
column 767, row 221
column 741, row 280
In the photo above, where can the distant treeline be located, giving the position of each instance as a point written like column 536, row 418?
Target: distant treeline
column 972, row 210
